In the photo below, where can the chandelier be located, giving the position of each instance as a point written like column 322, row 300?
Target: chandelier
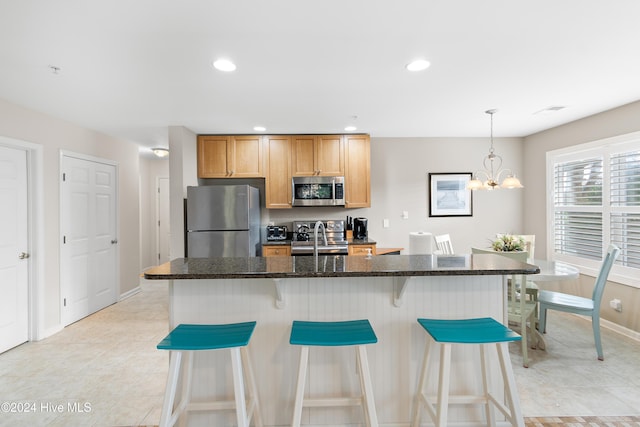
column 492, row 172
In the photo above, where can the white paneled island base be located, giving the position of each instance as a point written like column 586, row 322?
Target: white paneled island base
column 394, row 360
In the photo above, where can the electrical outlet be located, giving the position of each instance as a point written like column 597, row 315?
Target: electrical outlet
column 616, row 304
column 385, row 223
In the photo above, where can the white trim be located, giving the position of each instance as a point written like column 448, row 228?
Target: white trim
column 51, row 331
column 35, row 224
column 614, row 141
column 130, row 293
column 629, row 333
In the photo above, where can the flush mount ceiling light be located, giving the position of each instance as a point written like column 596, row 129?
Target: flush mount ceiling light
column 350, row 128
column 259, row 128
column 160, row 152
column 418, row 65
column 492, row 172
column 224, row 65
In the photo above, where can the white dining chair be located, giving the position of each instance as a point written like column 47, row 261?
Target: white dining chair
column 550, row 300
column 443, row 243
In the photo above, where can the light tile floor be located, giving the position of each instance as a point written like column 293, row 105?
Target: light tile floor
column 109, row 363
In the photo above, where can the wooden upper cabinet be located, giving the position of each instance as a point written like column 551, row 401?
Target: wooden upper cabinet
column 230, row 156
column 357, row 150
column 317, row 155
column 278, row 172
column 213, row 156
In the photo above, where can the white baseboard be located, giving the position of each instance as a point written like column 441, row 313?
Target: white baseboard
column 49, row 332
column 130, row 293
column 634, row 335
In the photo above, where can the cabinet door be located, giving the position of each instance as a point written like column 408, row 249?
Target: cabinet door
column 329, row 155
column 214, row 156
column 247, row 157
column 303, row 155
column 278, row 173
column 357, row 171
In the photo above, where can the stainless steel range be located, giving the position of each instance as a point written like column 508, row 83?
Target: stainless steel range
column 303, row 238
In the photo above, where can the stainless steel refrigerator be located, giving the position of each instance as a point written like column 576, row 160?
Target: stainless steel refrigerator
column 223, row 221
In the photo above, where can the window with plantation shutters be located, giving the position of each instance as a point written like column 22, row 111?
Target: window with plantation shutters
column 625, row 206
column 578, row 208
column 595, row 200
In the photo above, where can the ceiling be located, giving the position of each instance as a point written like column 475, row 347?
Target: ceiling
column 132, row 68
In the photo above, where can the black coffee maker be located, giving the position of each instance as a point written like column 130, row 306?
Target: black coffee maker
column 360, row 228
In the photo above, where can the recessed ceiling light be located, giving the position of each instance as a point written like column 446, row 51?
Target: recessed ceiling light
column 418, row 65
column 259, row 128
column 224, row 65
column 350, row 128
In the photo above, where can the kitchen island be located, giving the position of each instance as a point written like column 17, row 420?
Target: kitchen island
column 391, row 291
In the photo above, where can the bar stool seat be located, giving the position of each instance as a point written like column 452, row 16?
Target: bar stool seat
column 186, row 338
column 333, row 334
column 482, row 332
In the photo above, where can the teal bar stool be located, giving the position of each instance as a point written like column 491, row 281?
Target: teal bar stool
column 483, row 332
column 191, row 338
column 334, row 334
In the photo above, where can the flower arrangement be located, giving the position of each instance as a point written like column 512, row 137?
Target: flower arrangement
column 508, row 243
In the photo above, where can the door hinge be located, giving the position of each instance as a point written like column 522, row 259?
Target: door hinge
column 64, row 302
column 64, row 240
column 64, row 176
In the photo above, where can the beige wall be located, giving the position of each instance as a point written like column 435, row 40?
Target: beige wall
column 614, row 122
column 55, row 135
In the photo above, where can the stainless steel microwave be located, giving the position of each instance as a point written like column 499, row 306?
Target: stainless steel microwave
column 318, row 190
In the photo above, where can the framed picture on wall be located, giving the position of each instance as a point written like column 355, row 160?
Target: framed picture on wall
column 448, row 194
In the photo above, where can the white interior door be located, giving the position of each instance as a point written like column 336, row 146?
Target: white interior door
column 164, row 229
column 14, row 262
column 88, row 262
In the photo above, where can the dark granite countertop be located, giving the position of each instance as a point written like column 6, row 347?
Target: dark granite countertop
column 276, row 243
column 338, row 266
column 366, row 241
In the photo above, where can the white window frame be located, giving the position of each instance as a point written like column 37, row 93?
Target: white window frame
column 604, row 147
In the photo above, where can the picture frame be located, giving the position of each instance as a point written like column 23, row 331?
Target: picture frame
column 449, row 195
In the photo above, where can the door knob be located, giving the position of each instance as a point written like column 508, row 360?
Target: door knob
column 114, row 241
column 23, row 255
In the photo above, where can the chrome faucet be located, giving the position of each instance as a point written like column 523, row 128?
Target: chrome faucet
column 319, row 224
